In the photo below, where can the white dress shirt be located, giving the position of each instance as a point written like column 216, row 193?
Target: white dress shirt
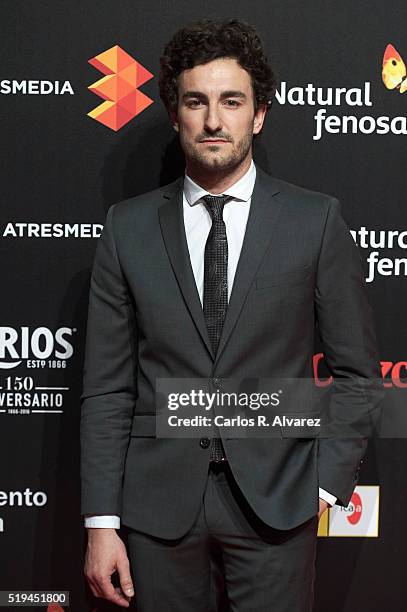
column 198, row 223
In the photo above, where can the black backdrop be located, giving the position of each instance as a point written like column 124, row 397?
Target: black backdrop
column 59, row 166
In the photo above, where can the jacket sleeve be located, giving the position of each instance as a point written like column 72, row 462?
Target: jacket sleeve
column 109, row 388
column 347, row 330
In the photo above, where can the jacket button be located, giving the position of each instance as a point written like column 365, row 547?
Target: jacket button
column 204, row 442
column 217, row 383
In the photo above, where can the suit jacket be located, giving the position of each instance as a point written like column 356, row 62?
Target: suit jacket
column 299, row 270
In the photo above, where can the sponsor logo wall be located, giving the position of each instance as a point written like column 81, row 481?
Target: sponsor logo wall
column 84, row 128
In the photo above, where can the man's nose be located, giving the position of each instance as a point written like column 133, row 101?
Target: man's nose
column 213, row 121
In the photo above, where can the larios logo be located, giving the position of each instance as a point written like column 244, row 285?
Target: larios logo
column 34, row 345
column 118, row 88
column 393, row 74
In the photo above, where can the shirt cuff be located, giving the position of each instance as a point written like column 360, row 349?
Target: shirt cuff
column 328, row 497
column 107, row 521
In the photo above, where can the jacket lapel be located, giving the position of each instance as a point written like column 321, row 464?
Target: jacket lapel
column 173, row 230
column 263, row 215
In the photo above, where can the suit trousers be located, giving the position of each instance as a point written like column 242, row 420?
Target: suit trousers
column 229, row 561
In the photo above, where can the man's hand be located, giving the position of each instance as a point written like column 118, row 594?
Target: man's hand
column 323, row 505
column 106, row 553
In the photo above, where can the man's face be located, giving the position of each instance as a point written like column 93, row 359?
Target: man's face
column 216, row 119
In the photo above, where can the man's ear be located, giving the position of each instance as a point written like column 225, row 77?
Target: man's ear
column 174, row 120
column 259, row 118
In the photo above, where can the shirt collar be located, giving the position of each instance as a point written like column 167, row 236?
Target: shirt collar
column 241, row 190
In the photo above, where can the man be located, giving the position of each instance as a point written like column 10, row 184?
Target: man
column 223, row 273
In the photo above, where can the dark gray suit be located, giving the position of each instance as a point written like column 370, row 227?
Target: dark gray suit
column 298, row 267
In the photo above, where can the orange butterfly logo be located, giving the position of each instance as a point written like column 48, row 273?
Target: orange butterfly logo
column 394, row 73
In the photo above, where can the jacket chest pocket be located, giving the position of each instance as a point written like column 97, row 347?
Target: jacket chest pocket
column 283, row 298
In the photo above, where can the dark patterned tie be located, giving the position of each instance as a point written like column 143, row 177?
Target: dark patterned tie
column 215, row 294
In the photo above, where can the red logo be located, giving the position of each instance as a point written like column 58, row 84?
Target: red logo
column 392, row 373
column 355, row 508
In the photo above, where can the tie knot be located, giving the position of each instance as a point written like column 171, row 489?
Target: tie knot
column 214, row 205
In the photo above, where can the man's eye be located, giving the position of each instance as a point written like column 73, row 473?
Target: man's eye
column 232, row 103
column 193, row 102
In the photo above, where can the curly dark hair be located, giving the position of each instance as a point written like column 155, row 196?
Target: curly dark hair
column 205, row 40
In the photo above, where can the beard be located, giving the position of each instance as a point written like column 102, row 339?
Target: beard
column 217, row 158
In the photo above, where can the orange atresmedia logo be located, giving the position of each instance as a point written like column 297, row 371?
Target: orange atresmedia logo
column 394, row 72
column 119, row 88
